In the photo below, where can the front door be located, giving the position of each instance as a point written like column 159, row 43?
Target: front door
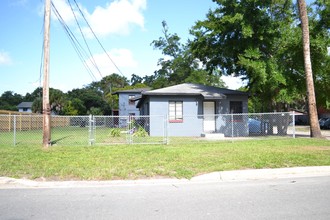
column 209, row 117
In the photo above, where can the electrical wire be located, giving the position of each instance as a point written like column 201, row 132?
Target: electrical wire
column 75, row 43
column 82, row 14
column 42, row 53
column 83, row 36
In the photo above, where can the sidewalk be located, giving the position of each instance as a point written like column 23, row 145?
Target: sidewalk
column 221, row 176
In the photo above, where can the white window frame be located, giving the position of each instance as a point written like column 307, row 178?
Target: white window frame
column 175, row 111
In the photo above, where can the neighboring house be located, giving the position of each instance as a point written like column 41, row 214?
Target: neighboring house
column 25, row 107
column 193, row 110
column 127, row 105
column 127, row 101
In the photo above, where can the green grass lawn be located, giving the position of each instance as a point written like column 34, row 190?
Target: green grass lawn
column 180, row 160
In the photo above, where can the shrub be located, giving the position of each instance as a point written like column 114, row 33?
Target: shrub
column 140, row 132
column 115, row 132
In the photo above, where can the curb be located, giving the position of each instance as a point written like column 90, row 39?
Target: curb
column 7, row 182
column 221, row 176
column 260, row 174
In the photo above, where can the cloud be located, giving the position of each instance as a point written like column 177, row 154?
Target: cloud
column 116, row 17
column 5, row 59
column 65, row 11
column 123, row 58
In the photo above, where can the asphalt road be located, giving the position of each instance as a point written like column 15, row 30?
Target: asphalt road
column 288, row 198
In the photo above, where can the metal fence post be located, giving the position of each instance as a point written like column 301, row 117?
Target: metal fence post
column 232, row 125
column 165, row 130
column 90, row 130
column 14, row 130
column 293, row 125
column 129, row 130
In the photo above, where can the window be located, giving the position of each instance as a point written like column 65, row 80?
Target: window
column 236, row 108
column 131, row 100
column 175, row 111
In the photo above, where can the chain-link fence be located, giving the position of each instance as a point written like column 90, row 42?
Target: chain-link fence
column 82, row 130
column 233, row 127
column 108, row 130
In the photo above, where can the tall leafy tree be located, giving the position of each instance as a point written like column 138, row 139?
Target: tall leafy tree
column 57, row 100
column 242, row 38
column 30, row 97
column 135, row 79
column 37, row 105
column 90, row 97
column 74, row 107
column 106, row 86
column 261, row 41
column 178, row 65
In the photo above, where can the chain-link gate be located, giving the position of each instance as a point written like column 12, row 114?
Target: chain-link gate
column 129, row 130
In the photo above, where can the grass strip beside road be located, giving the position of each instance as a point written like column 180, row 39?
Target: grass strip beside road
column 156, row 161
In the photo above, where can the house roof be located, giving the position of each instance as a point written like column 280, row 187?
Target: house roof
column 210, row 92
column 25, row 105
column 139, row 90
column 191, row 89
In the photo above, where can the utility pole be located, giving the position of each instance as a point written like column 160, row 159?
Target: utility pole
column 45, row 91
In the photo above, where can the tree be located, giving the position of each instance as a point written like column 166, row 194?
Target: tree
column 105, row 87
column 111, row 82
column 243, row 38
column 135, row 79
column 261, row 41
column 37, row 105
column 91, row 97
column 57, row 100
column 74, row 107
column 68, row 109
column 30, row 97
column 178, row 65
column 95, row 111
column 9, row 101
column 314, row 125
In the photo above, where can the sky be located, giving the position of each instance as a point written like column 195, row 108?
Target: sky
column 125, row 29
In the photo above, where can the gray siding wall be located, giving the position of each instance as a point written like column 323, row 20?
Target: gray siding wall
column 191, row 125
column 124, row 108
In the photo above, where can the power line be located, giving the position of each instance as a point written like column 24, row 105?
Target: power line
column 91, row 55
column 75, row 43
column 82, row 14
column 42, row 54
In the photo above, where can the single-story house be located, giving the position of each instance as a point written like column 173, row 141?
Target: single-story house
column 25, row 107
column 194, row 109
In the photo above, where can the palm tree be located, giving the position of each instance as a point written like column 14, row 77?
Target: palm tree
column 313, row 118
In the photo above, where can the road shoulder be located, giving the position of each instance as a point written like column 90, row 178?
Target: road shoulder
column 221, row 176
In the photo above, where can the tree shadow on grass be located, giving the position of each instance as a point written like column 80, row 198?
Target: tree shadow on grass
column 53, row 142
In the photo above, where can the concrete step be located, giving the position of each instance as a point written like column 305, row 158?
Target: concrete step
column 213, row 135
